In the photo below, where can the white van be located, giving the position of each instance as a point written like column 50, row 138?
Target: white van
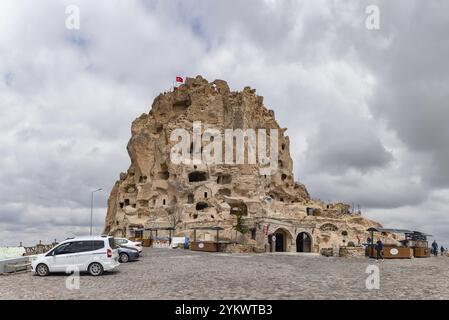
column 93, row 254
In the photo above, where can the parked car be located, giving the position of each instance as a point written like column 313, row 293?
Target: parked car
column 123, row 242
column 94, row 254
column 126, row 254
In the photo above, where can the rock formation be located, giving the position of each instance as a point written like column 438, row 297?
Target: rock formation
column 251, row 207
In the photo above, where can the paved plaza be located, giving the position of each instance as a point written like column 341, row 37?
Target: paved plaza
column 184, row 274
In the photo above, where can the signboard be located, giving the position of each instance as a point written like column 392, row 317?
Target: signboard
column 394, row 251
column 161, row 243
column 178, row 242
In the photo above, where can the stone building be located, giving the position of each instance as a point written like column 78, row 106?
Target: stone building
column 262, row 211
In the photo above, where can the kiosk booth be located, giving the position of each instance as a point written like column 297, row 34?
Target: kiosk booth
column 137, row 234
column 203, row 245
column 418, row 241
column 414, row 245
column 156, row 240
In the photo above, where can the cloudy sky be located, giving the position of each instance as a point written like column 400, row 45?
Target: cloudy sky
column 367, row 110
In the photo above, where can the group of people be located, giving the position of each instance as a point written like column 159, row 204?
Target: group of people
column 379, row 246
column 435, row 249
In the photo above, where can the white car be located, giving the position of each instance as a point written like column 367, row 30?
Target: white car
column 123, row 242
column 93, row 254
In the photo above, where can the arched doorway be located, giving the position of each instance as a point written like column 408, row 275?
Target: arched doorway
column 303, row 242
column 280, row 244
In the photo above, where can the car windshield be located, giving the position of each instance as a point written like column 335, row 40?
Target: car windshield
column 112, row 243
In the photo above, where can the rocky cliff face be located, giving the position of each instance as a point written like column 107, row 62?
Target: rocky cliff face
column 156, row 192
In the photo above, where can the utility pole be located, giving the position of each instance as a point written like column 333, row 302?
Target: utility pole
column 92, row 207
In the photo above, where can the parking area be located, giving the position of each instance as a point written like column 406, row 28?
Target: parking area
column 184, row 274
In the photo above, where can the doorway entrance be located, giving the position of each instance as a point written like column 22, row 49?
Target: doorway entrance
column 280, row 244
column 303, row 242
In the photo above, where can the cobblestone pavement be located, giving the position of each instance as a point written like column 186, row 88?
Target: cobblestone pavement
column 183, row 274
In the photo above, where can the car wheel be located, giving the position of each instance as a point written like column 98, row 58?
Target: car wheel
column 42, row 270
column 95, row 269
column 124, row 258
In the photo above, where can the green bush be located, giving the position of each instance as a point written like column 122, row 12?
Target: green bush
column 240, row 226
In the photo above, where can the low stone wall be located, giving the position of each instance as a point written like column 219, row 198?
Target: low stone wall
column 344, row 252
column 236, row 248
column 327, row 252
column 352, row 251
column 6, row 266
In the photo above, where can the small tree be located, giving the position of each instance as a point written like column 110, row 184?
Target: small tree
column 240, row 225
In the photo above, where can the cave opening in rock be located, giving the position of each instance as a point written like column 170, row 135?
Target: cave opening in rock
column 224, row 179
column 181, row 106
column 201, row 205
column 197, row 176
column 163, row 175
column 280, row 164
column 239, row 208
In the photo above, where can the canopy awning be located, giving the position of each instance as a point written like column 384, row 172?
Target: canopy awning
column 390, row 230
column 207, row 228
column 159, row 228
column 422, row 233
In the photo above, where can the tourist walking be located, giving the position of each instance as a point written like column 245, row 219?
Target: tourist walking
column 379, row 247
column 442, row 250
column 435, row 248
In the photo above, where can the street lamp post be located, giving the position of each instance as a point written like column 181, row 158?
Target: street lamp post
column 92, row 206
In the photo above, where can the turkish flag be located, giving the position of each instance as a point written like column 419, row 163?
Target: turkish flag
column 179, row 79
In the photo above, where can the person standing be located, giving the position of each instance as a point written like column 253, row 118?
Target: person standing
column 442, row 250
column 379, row 247
column 435, row 248
column 358, row 240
